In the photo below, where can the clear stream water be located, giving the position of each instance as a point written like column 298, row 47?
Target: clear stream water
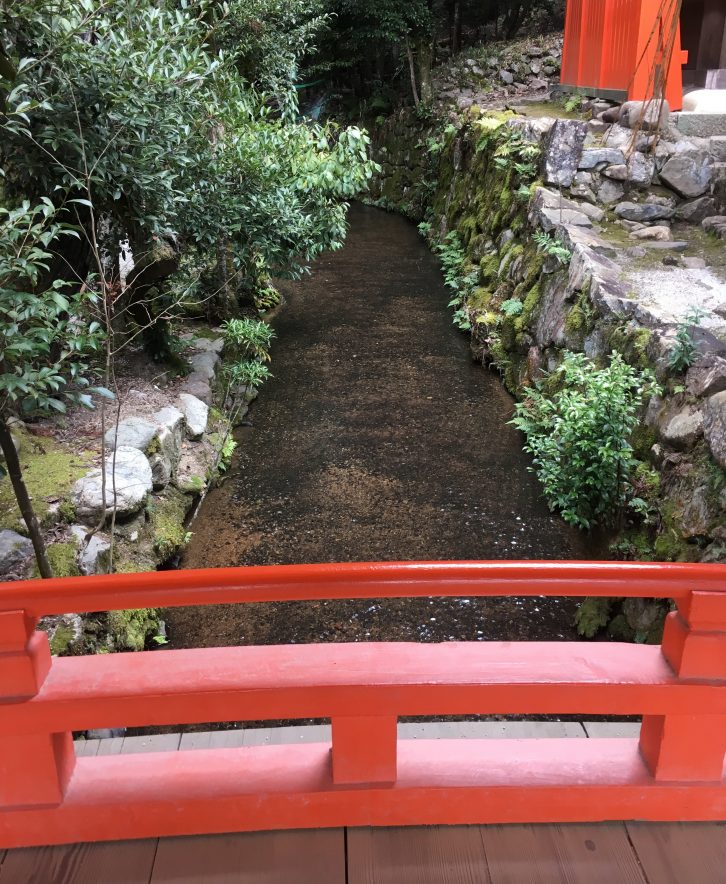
column 377, row 439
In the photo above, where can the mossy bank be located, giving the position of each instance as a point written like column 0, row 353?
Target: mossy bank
column 543, row 267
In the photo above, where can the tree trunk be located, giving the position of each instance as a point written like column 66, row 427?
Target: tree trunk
column 425, row 56
column 412, row 71
column 456, row 30
column 25, row 504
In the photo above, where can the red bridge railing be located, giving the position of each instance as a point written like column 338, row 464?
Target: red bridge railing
column 675, row 771
column 612, row 47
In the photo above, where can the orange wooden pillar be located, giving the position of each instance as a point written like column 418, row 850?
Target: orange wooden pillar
column 655, row 26
column 35, row 768
column 690, row 747
column 364, row 749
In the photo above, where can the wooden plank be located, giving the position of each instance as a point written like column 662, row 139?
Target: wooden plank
column 609, row 729
column 310, row 681
column 303, row 857
column 195, row 740
column 153, row 743
column 86, row 748
column 577, row 854
column 127, row 862
column 426, row 856
column 679, row 852
column 487, row 730
column 110, row 746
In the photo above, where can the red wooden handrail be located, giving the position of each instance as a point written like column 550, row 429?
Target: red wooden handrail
column 674, row 771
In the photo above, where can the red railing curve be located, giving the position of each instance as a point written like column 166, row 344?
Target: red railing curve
column 674, row 771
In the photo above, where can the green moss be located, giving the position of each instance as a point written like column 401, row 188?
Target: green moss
column 62, row 558
column 643, row 438
column 67, row 512
column 670, row 547
column 50, row 469
column 129, row 630
column 489, row 267
column 592, row 615
column 632, row 341
column 131, row 566
column 61, row 638
column 167, row 514
column 192, row 485
column 530, row 306
column 646, row 480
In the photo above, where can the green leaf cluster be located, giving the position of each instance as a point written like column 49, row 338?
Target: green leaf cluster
column 579, row 438
column 46, row 333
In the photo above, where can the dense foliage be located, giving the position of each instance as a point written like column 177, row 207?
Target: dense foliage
column 133, row 106
column 169, row 126
column 579, row 437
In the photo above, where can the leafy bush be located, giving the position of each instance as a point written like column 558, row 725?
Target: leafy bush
column 683, row 353
column 247, row 373
column 46, row 338
column 250, row 338
column 579, row 438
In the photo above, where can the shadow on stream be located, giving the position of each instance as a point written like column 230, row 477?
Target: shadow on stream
column 377, row 439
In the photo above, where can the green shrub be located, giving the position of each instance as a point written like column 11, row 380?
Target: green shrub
column 250, row 338
column 580, row 437
column 683, row 353
column 247, row 373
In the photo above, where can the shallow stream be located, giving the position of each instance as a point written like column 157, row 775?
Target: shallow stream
column 378, row 439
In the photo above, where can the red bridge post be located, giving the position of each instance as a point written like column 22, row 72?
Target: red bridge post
column 34, row 768
column 690, row 747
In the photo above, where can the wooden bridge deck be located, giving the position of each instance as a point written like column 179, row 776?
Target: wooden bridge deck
column 635, row 853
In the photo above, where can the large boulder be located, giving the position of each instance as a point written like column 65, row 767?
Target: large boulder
column 714, row 426
column 643, row 212
column 562, row 151
column 164, row 458
column 196, row 414
column 707, row 376
column 689, row 174
column 610, row 192
column 16, row 555
column 93, row 557
column 638, row 171
column 133, row 432
column 715, row 225
column 645, row 115
column 133, row 482
column 599, row 157
column 694, row 211
column 682, row 428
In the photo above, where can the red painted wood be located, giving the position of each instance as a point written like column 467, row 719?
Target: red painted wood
column 365, row 679
column 677, row 771
column 691, row 653
column 364, row 749
column 615, row 44
column 22, row 672
column 280, row 787
column 704, row 610
column 689, row 748
column 266, row 583
column 34, row 769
